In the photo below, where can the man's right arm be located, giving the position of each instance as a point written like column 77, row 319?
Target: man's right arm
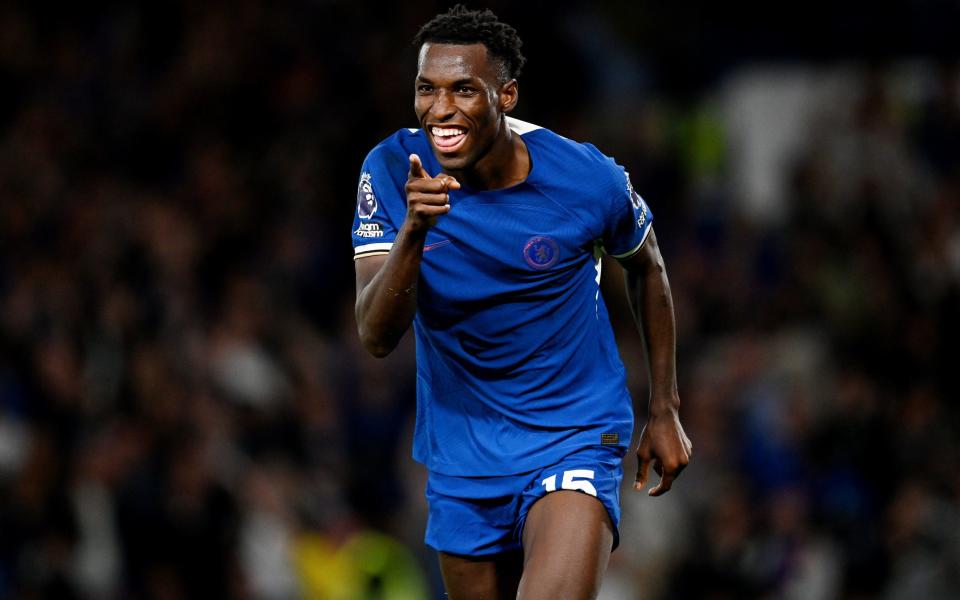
column 386, row 293
column 387, row 284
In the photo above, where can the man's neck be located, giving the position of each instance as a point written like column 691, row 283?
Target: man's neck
column 506, row 164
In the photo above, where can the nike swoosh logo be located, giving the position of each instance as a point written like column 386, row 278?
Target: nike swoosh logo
column 435, row 245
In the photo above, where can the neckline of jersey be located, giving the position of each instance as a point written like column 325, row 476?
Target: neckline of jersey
column 527, row 180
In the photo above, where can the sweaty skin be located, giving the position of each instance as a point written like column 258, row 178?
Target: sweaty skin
column 458, row 87
column 663, row 443
column 461, row 104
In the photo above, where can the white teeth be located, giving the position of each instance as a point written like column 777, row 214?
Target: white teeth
column 442, row 132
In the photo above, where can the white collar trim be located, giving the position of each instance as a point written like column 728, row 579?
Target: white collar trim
column 521, row 127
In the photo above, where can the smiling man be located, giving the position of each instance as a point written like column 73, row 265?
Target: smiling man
column 486, row 233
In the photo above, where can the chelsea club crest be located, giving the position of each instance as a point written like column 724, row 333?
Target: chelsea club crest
column 541, row 252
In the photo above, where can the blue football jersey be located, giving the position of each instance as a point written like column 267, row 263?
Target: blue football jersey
column 516, row 360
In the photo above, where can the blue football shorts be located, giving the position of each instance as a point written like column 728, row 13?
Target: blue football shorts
column 477, row 516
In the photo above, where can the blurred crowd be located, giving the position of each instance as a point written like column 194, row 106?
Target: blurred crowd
column 185, row 410
column 816, row 355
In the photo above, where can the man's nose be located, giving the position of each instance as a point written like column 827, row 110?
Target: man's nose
column 443, row 107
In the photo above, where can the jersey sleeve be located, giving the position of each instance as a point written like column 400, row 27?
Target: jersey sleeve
column 380, row 202
column 628, row 221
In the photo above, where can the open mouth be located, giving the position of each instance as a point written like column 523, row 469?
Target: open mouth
column 448, row 139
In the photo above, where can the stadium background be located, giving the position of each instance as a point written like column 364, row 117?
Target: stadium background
column 185, row 411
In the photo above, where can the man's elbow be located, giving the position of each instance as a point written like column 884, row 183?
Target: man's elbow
column 378, row 350
column 378, row 346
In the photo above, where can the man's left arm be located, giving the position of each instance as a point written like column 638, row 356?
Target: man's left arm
column 663, row 442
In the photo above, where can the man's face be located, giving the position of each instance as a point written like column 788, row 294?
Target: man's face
column 459, row 102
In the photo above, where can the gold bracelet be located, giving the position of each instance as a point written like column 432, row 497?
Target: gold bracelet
column 404, row 292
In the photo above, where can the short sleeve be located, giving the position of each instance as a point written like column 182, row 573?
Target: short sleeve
column 380, row 200
column 628, row 221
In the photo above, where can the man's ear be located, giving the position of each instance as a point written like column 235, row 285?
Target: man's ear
column 509, row 94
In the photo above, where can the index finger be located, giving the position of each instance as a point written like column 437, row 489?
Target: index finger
column 416, row 168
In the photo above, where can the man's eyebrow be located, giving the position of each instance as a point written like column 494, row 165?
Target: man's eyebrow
column 462, row 81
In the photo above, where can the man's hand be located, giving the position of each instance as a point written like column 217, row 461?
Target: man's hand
column 663, row 443
column 427, row 197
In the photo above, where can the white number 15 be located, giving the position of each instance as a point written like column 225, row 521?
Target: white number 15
column 570, row 483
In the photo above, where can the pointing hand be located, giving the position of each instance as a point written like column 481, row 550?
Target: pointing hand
column 427, row 197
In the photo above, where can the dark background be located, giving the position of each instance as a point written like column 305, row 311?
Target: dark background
column 185, row 411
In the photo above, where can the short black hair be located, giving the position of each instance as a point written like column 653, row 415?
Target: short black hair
column 460, row 25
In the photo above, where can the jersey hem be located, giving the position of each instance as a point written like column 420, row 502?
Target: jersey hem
column 521, row 467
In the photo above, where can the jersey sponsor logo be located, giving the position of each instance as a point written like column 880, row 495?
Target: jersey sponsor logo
column 366, row 200
column 369, row 230
column 541, row 252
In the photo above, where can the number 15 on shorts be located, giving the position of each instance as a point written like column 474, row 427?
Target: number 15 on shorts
column 575, row 479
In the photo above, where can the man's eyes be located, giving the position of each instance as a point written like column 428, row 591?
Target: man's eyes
column 463, row 90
